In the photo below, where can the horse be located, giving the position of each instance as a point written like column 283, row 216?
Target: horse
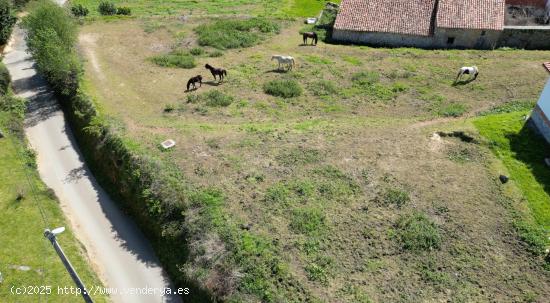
column 220, row 72
column 194, row 80
column 287, row 60
column 467, row 70
column 312, row 35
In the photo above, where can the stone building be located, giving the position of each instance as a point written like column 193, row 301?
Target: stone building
column 476, row 24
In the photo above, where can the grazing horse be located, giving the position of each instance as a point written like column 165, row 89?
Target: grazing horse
column 194, row 80
column 312, row 35
column 220, row 72
column 286, row 60
column 468, row 70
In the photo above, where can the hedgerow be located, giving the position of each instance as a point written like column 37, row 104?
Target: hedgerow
column 7, row 21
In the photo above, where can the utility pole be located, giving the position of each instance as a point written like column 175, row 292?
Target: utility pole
column 51, row 235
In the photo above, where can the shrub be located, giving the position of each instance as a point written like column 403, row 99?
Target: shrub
column 227, row 34
column 323, row 88
column 215, row 54
column 124, row 10
column 79, row 10
column 453, row 110
column 417, row 232
column 212, row 98
column 51, row 39
column 196, row 51
column 107, row 8
column 365, row 78
column 175, row 59
column 7, row 21
column 283, row 88
column 307, row 221
column 396, row 197
column 217, row 99
column 5, row 79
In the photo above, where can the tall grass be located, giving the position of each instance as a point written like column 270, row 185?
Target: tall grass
column 228, row 34
column 178, row 58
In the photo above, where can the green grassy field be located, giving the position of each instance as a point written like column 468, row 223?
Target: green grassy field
column 334, row 189
column 293, row 8
column 523, row 153
column 27, row 259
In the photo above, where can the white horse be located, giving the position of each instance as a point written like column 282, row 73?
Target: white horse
column 284, row 60
column 468, row 70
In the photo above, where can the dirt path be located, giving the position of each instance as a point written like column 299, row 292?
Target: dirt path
column 114, row 244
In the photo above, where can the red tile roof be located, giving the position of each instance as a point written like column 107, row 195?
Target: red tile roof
column 471, row 14
column 536, row 3
column 411, row 17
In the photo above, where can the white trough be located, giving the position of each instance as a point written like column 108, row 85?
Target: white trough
column 168, row 144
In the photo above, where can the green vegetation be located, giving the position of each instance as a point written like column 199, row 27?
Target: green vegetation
column 7, row 21
column 227, row 34
column 323, row 88
column 107, row 8
column 307, row 221
column 5, row 79
column 512, row 142
column 395, row 196
column 197, row 51
column 51, row 40
column 28, row 207
column 212, row 98
column 452, row 110
column 79, row 10
column 283, row 88
column 417, row 232
column 178, row 58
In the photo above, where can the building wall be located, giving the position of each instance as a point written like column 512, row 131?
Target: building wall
column 541, row 122
column 381, row 39
column 466, row 38
column 525, row 37
column 536, row 3
column 462, row 39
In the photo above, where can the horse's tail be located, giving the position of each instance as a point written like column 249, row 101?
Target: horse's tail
column 188, row 84
column 293, row 62
column 224, row 73
column 315, row 37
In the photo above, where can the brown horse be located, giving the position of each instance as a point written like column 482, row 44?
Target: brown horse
column 312, row 35
column 220, row 72
column 194, row 80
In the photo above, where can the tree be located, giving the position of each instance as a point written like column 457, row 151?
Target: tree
column 7, row 21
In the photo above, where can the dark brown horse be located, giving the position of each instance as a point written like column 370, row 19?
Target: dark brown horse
column 220, row 72
column 312, row 35
column 194, row 80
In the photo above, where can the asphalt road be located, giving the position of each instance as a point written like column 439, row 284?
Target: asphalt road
column 119, row 252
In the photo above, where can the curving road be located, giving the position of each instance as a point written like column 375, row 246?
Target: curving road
column 118, row 250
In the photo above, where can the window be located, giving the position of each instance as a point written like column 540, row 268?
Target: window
column 450, row 40
column 483, row 33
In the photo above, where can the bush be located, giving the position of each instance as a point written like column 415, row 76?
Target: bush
column 283, row 88
column 365, row 78
column 196, row 51
column 124, row 10
column 307, row 221
column 79, row 10
column 51, row 39
column 7, row 21
column 107, row 8
column 227, row 34
column 215, row 54
column 396, row 197
column 217, row 99
column 417, row 232
column 5, row 79
column 453, row 110
column 175, row 59
column 323, row 88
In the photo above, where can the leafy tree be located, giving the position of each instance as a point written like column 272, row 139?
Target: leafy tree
column 7, row 21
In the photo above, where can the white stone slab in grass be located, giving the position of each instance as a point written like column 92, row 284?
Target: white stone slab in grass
column 168, row 144
column 311, row 20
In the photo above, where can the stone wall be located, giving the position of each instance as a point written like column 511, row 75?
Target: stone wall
column 381, row 39
column 460, row 39
column 525, row 37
